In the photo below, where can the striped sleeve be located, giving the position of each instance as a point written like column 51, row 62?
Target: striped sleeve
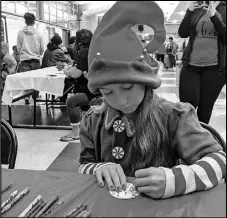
column 202, row 175
column 90, row 168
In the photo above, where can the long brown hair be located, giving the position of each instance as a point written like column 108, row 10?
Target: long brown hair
column 147, row 148
column 150, row 136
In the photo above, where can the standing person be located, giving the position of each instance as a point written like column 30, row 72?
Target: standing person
column 204, row 60
column 171, row 50
column 135, row 132
column 160, row 54
column 83, row 97
column 71, row 46
column 30, row 45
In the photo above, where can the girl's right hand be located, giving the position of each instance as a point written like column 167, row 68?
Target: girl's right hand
column 113, row 175
column 194, row 5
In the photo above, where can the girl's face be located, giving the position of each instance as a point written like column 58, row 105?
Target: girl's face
column 123, row 97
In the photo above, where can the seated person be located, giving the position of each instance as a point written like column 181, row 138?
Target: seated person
column 8, row 63
column 136, row 133
column 54, row 53
column 70, row 47
column 15, row 54
column 82, row 98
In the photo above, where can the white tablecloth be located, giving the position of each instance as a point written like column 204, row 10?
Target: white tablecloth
column 49, row 80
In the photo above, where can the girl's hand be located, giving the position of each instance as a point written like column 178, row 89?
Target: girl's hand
column 151, row 181
column 211, row 10
column 113, row 175
column 194, row 5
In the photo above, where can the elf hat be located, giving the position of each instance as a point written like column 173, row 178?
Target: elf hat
column 116, row 54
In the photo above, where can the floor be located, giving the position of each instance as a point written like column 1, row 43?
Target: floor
column 38, row 148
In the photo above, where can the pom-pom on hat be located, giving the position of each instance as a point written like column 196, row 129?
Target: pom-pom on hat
column 116, row 54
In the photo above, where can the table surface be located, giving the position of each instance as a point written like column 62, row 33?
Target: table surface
column 49, row 80
column 75, row 188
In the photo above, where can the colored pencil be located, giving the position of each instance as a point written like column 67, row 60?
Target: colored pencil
column 11, row 197
column 6, row 188
column 87, row 213
column 84, row 207
column 33, row 208
column 81, row 213
column 73, row 210
column 52, row 201
column 38, row 209
column 55, row 207
column 15, row 200
column 30, row 206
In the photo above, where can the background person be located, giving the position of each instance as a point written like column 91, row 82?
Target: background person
column 54, row 53
column 71, row 46
column 30, row 45
column 171, row 50
column 15, row 54
column 8, row 64
column 204, row 60
column 82, row 99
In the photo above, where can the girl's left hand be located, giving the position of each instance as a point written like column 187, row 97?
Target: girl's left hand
column 151, row 181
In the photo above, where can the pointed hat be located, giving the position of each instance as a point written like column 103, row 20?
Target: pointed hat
column 116, row 54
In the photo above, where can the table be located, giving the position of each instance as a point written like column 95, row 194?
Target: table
column 49, row 80
column 75, row 188
column 20, row 85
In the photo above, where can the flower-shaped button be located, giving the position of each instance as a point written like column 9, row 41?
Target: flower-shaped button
column 119, row 126
column 118, row 152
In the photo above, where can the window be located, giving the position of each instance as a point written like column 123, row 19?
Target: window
column 8, row 6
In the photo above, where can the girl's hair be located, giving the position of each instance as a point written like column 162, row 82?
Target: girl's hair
column 150, row 137
column 29, row 18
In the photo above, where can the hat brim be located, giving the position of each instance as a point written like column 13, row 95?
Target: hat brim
column 104, row 72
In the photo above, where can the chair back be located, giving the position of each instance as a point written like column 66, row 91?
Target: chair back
column 215, row 134
column 9, row 144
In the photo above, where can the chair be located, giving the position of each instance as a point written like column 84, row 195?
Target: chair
column 9, row 144
column 215, row 134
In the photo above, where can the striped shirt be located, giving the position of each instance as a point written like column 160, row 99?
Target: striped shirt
column 182, row 179
column 205, row 162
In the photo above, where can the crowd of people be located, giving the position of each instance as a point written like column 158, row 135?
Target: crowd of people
column 134, row 132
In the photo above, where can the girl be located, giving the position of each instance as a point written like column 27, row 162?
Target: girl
column 135, row 133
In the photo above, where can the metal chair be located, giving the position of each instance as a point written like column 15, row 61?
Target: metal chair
column 9, row 144
column 215, row 134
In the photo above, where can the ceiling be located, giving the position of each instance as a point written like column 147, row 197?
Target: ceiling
column 173, row 10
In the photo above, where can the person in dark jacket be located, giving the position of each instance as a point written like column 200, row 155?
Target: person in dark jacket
column 54, row 53
column 83, row 98
column 204, row 60
column 70, row 47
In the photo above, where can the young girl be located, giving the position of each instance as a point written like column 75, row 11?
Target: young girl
column 135, row 133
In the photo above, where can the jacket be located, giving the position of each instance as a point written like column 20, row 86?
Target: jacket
column 101, row 133
column 52, row 55
column 187, row 28
column 30, row 44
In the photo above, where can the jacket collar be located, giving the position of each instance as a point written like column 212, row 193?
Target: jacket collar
column 112, row 115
